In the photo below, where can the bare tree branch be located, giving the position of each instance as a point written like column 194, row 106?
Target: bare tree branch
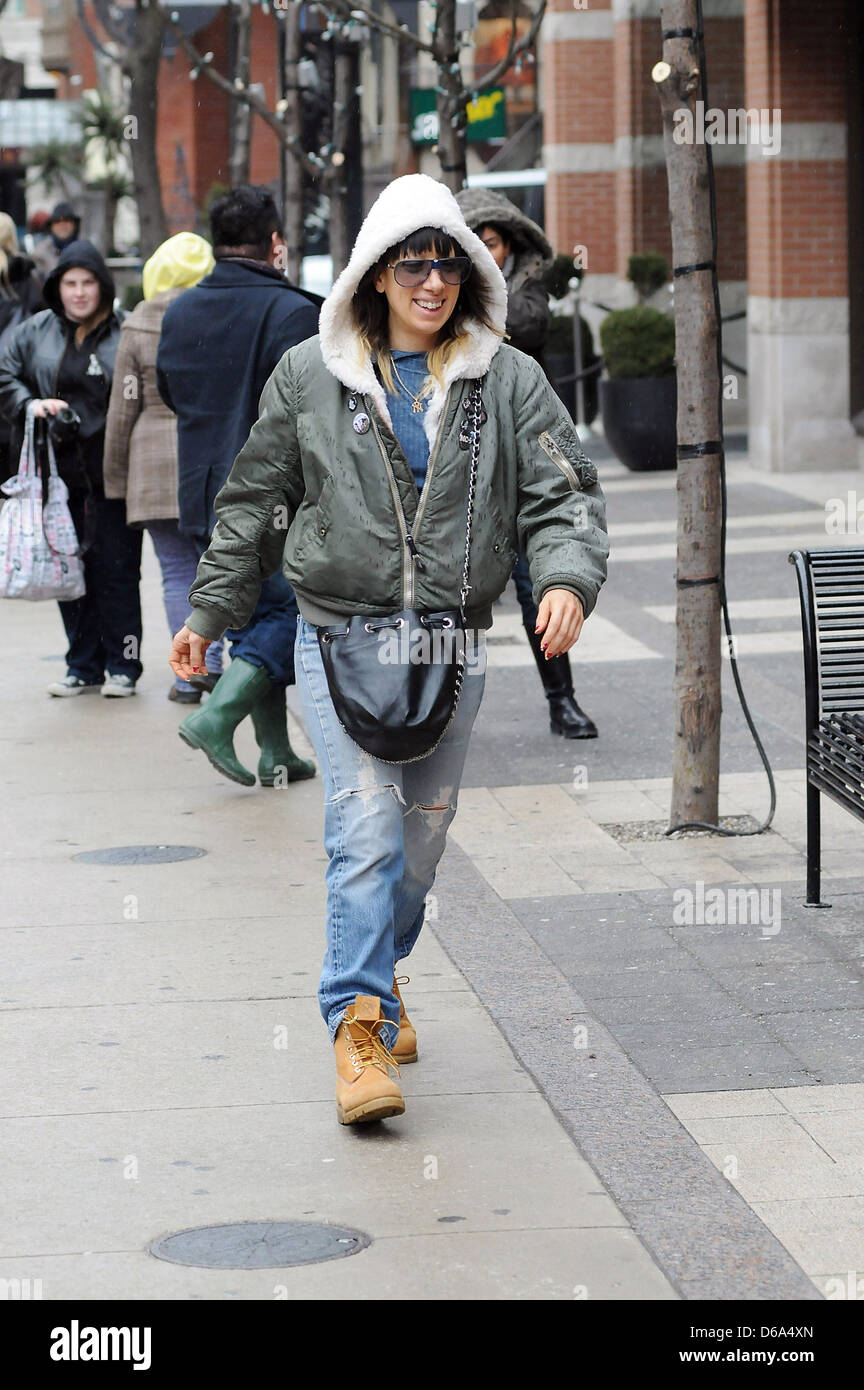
column 92, row 35
column 111, row 22
column 202, row 62
column 515, row 47
column 348, row 10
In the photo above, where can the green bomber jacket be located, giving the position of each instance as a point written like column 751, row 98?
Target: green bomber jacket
column 323, row 489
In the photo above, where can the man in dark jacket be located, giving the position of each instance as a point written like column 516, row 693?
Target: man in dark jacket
column 522, row 252
column 219, row 345
column 64, row 356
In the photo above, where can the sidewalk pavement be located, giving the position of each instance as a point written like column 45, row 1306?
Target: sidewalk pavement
column 610, row 1102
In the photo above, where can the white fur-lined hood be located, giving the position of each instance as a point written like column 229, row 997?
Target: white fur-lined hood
column 400, row 209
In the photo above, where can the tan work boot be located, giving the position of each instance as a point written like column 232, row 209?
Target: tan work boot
column 405, row 1046
column 364, row 1088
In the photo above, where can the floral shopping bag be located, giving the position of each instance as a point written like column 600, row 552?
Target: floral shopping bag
column 39, row 550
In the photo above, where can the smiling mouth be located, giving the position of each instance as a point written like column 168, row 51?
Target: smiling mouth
column 429, row 306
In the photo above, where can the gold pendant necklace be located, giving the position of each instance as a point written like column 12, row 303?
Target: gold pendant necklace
column 416, row 401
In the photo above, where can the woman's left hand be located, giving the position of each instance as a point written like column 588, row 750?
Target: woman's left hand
column 560, row 618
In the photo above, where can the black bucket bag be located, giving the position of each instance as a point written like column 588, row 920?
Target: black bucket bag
column 395, row 681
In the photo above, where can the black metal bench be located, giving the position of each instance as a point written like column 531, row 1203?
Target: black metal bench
column 831, row 587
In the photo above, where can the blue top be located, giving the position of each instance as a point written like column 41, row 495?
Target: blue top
column 407, row 426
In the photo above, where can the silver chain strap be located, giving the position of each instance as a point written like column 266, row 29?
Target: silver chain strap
column 472, row 483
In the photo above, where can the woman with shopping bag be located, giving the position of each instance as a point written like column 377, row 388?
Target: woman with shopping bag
column 63, row 358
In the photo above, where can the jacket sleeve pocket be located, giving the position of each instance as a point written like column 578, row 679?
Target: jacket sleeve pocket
column 561, row 511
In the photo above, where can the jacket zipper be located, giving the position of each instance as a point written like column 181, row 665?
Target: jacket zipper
column 411, row 560
column 421, row 505
column 551, row 450
column 409, row 550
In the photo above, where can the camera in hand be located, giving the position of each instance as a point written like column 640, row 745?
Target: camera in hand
column 64, row 426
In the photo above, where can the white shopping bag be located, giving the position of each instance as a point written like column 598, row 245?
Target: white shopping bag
column 39, row 551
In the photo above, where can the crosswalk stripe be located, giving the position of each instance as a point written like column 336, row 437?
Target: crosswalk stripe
column 742, row 609
column 601, row 640
column 810, row 518
column 735, row 545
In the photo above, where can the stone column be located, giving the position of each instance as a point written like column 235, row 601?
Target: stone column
column 798, row 307
column 578, row 85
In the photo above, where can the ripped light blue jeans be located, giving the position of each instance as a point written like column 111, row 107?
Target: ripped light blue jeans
column 385, row 827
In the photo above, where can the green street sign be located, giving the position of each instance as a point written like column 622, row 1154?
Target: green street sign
column 487, row 116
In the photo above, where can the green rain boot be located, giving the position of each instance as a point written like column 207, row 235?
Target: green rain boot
column 211, row 728
column 278, row 761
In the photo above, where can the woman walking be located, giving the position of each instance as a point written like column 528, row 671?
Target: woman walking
column 140, row 462
column 368, row 437
column 62, row 359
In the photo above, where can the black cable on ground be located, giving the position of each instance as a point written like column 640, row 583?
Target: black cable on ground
column 733, row 660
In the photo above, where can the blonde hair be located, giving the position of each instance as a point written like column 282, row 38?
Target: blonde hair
column 8, row 247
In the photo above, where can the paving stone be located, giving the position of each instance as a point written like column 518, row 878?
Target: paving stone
column 710, row 1104
column 829, row 1042
column 783, row 987
column 696, row 999
column 741, row 1129
column 818, row 1100
column 722, row 948
column 692, row 1068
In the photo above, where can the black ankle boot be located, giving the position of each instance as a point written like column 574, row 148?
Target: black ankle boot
column 565, row 716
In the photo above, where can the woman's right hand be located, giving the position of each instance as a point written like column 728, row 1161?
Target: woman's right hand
column 49, row 406
column 187, row 654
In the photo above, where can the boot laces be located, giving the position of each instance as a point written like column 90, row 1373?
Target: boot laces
column 397, row 981
column 366, row 1047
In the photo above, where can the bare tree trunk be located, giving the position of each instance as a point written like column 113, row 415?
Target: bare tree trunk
column 406, row 156
column 680, row 82
column 452, row 117
column 347, row 151
column 292, row 176
column 109, row 217
column 141, row 65
column 241, row 114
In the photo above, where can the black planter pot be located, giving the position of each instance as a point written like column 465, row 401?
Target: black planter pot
column 640, row 420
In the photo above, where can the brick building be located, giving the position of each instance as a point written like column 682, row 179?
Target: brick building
column 791, row 213
column 790, row 217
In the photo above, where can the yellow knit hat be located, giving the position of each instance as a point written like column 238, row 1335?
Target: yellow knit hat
column 179, row 262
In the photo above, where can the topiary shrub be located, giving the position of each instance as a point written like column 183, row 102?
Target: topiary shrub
column 648, row 271
column 556, row 278
column 638, row 342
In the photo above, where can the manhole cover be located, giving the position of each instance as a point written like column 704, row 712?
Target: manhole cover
column 259, row 1245
column 140, row 854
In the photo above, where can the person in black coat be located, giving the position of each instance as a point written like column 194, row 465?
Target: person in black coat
column 64, row 357
column 522, row 253
column 219, row 344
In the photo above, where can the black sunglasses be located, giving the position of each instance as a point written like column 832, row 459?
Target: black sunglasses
column 454, row 270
